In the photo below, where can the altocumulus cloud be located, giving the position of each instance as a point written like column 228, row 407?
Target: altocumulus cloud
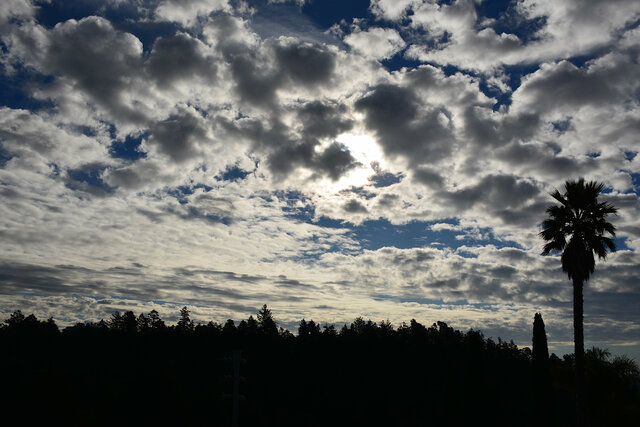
column 394, row 162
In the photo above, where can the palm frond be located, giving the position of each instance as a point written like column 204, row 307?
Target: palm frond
column 577, row 227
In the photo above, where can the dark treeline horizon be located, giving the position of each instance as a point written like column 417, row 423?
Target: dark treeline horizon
column 132, row 369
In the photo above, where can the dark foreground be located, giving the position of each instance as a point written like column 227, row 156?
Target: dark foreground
column 145, row 373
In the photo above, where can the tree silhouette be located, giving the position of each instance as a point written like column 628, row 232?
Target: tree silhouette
column 581, row 220
column 541, row 373
column 447, row 377
column 185, row 324
column 540, row 349
column 15, row 319
column 266, row 321
column 229, row 328
column 155, row 321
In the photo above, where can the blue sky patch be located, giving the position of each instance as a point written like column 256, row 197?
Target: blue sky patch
column 635, row 179
column 621, row 243
column 123, row 15
column 89, row 179
column 180, row 192
column 399, row 60
column 561, row 126
column 5, row 156
column 14, row 88
column 325, row 13
column 509, row 21
column 417, row 234
column 385, row 179
column 233, row 173
column 129, row 149
column 376, row 234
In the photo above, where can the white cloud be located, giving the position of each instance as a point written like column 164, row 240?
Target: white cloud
column 376, row 43
column 391, row 9
column 570, row 29
column 187, row 12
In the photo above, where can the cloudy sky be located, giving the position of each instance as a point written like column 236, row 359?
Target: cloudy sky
column 386, row 158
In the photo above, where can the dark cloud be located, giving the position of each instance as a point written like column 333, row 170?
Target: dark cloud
column 178, row 136
column 334, row 161
column 304, row 63
column 323, row 119
column 415, row 257
column 220, row 275
column 495, row 191
column 428, row 177
column 179, row 57
column 287, row 150
column 387, row 200
column 354, row 206
column 293, row 284
column 513, row 254
column 543, row 158
column 405, row 126
column 255, row 83
column 100, row 61
column 563, row 85
column 18, row 277
column 483, row 129
column 503, row 196
column 127, row 177
column 258, row 76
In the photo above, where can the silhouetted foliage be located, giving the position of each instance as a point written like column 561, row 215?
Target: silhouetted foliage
column 185, row 324
column 541, row 374
column 581, row 219
column 266, row 322
column 540, row 352
column 108, row 373
column 155, row 321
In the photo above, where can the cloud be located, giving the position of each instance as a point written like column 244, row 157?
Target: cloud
column 376, row 43
column 15, row 9
column 607, row 80
column 180, row 135
column 304, row 63
column 391, row 9
column 95, row 58
column 180, row 57
column 187, row 12
column 475, row 42
column 354, row 206
column 28, row 137
column 405, row 126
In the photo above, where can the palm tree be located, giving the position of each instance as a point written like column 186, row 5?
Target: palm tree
column 581, row 220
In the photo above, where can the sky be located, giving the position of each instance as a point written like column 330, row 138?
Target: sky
column 390, row 159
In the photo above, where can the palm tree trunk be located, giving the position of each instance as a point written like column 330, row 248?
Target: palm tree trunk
column 578, row 335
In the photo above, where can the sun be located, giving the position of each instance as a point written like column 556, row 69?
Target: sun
column 366, row 151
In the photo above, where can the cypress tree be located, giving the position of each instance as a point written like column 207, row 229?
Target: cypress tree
column 540, row 349
column 541, row 375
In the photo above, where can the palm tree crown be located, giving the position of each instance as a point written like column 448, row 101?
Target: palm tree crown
column 583, row 221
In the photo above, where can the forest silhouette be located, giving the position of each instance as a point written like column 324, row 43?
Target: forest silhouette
column 139, row 370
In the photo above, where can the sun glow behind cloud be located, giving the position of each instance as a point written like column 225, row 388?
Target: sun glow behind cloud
column 366, row 151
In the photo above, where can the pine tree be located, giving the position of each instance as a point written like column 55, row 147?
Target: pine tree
column 265, row 320
column 185, row 325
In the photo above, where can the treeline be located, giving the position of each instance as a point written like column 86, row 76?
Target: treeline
column 138, row 369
